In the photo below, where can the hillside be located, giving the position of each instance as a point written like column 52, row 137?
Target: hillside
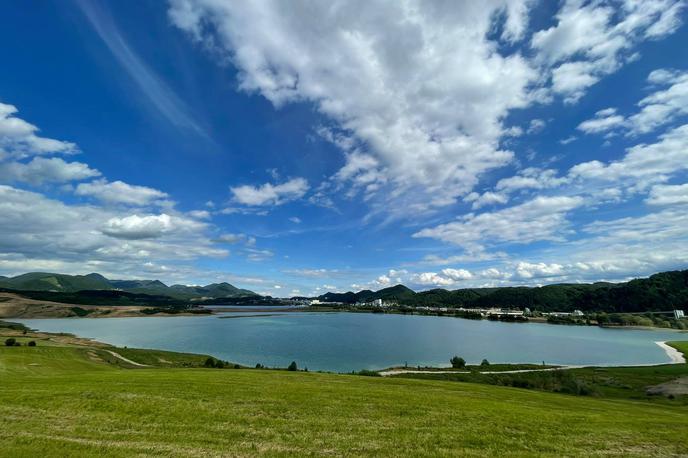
column 61, row 283
column 51, row 391
column 662, row 291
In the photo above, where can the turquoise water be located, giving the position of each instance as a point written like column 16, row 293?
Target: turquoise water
column 353, row 341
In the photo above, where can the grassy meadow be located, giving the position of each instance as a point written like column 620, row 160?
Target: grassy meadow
column 80, row 401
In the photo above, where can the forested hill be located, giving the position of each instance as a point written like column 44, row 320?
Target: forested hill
column 662, row 291
column 62, row 283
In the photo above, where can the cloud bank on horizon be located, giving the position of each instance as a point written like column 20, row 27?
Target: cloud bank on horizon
column 300, row 147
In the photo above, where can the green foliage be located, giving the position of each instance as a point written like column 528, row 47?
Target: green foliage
column 210, row 362
column 78, row 311
column 368, row 373
column 32, row 343
column 292, row 366
column 458, row 362
column 10, row 342
column 660, row 292
column 484, row 363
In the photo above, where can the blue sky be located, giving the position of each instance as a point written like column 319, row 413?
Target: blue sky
column 295, row 148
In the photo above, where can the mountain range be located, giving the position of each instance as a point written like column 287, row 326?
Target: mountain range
column 44, row 281
column 660, row 292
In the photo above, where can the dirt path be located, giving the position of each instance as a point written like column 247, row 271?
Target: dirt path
column 126, row 360
column 517, row 371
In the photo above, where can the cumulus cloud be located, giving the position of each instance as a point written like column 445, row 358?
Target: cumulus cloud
column 643, row 164
column 136, row 227
column 118, row 192
column 603, row 121
column 418, row 93
column 668, row 195
column 45, row 170
column 35, row 227
column 269, row 194
column 543, row 218
column 19, row 139
column 593, row 39
column 486, row 198
column 664, row 105
column 530, row 178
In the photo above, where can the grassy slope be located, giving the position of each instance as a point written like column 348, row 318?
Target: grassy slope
column 58, row 401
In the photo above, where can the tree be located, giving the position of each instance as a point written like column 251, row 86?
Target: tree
column 220, row 364
column 32, row 343
column 485, row 363
column 292, row 366
column 10, row 342
column 210, row 362
column 458, row 362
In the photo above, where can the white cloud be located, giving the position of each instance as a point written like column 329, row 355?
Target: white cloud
column 526, row 270
column 486, row 198
column 593, row 39
column 543, row 218
column 36, row 228
column 643, row 164
column 269, row 194
column 136, row 227
column 118, row 192
column 668, row 195
column 603, row 121
column 530, row 178
column 295, row 220
column 417, row 92
column 253, row 254
column 662, row 106
column 536, row 125
column 19, row 139
column 45, row 170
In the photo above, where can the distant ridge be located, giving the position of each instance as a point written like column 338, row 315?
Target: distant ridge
column 660, row 292
column 46, row 281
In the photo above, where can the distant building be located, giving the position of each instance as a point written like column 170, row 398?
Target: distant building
column 577, row 313
column 678, row 314
column 377, row 303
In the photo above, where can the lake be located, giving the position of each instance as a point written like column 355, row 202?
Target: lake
column 343, row 342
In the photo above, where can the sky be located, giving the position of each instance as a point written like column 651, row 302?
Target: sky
column 294, row 148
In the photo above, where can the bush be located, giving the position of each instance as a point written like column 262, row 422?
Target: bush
column 484, row 363
column 10, row 342
column 210, row 362
column 292, row 366
column 458, row 362
column 32, row 343
column 259, row 366
column 368, row 373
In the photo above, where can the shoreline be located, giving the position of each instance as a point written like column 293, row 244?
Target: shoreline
column 675, row 356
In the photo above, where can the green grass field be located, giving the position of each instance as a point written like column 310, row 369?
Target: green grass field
column 70, row 401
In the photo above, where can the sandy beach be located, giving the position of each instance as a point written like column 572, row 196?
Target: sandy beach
column 675, row 355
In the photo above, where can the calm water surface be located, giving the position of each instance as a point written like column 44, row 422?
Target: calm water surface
column 354, row 341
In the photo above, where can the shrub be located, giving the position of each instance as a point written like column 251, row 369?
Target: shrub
column 220, row 364
column 236, row 366
column 259, row 366
column 368, row 373
column 210, row 362
column 32, row 343
column 484, row 363
column 10, row 342
column 292, row 366
column 458, row 362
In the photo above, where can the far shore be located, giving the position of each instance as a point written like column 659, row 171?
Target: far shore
column 15, row 306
